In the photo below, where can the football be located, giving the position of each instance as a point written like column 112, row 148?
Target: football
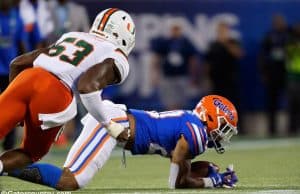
column 200, row 168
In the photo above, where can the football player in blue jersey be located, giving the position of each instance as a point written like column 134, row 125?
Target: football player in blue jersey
column 179, row 135
column 182, row 135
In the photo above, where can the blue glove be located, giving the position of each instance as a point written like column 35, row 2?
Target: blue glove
column 215, row 176
column 229, row 178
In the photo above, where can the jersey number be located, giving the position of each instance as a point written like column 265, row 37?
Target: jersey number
column 165, row 114
column 84, row 49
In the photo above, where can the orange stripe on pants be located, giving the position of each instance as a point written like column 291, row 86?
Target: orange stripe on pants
column 88, row 140
column 91, row 157
column 33, row 91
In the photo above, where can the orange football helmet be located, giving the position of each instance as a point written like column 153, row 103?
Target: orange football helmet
column 220, row 117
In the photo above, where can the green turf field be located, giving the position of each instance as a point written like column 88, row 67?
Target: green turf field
column 263, row 166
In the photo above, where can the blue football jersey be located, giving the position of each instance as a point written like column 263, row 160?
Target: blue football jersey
column 158, row 132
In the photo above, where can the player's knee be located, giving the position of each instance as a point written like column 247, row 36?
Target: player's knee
column 67, row 181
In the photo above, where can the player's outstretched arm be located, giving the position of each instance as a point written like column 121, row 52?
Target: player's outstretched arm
column 24, row 61
column 180, row 168
column 90, row 85
column 180, row 171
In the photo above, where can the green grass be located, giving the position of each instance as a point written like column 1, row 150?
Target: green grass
column 271, row 166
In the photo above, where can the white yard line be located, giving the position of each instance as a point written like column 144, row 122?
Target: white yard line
column 275, row 192
column 246, row 145
column 263, row 144
column 218, row 191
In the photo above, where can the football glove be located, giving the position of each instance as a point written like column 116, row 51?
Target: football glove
column 229, row 178
column 215, row 177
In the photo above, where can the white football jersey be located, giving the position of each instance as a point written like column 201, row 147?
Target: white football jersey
column 75, row 52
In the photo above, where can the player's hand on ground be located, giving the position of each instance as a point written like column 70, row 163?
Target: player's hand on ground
column 229, row 178
column 215, row 176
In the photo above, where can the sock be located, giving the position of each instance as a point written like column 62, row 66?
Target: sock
column 174, row 170
column 1, row 167
column 45, row 174
column 208, row 183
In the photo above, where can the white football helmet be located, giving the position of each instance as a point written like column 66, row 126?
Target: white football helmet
column 116, row 26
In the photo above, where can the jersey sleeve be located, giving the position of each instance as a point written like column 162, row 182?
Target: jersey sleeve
column 121, row 62
column 195, row 137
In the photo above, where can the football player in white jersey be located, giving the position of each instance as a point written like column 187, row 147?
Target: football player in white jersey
column 46, row 83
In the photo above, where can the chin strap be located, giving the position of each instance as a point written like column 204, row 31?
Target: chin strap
column 123, row 160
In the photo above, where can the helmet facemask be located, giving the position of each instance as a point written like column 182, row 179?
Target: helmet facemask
column 221, row 136
column 220, row 118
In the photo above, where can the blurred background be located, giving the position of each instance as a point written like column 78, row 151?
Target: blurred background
column 245, row 50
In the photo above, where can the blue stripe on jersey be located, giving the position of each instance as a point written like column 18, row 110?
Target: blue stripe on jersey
column 194, row 142
column 203, row 134
column 122, row 121
column 199, row 139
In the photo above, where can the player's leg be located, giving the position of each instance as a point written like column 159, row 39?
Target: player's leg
column 46, row 174
column 15, row 157
column 88, row 154
column 93, row 147
column 91, row 150
column 50, row 97
column 86, row 157
column 13, row 103
column 44, row 94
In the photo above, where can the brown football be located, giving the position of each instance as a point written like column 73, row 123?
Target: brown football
column 200, row 168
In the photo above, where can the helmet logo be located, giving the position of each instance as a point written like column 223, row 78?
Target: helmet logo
column 129, row 28
column 219, row 104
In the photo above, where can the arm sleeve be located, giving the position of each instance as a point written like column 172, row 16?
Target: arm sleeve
column 102, row 110
column 95, row 106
